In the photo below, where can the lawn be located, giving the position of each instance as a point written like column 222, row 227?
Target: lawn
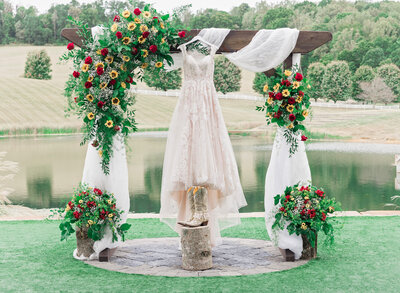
column 365, row 258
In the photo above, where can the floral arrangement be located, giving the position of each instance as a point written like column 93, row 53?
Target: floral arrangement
column 94, row 210
column 105, row 68
column 287, row 104
column 305, row 210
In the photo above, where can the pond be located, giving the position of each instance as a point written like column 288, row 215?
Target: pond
column 360, row 176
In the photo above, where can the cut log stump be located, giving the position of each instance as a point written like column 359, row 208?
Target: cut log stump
column 84, row 244
column 196, row 248
column 309, row 252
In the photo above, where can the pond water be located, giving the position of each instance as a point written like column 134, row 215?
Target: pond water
column 360, row 176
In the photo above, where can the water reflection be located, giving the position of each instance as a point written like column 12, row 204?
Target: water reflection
column 51, row 167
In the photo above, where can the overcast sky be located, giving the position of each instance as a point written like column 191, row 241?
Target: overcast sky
column 162, row 5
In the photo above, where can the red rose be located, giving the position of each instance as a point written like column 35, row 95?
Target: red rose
column 134, row 51
column 88, row 84
column 100, row 70
column 278, row 114
column 97, row 191
column 301, row 94
column 137, row 11
column 104, row 52
column 100, row 104
column 287, row 196
column 285, row 82
column 95, row 143
column 320, row 193
column 292, row 117
column 182, row 34
column 77, row 215
column 145, row 34
column 75, row 74
column 298, row 76
column 90, row 204
column 71, row 205
column 88, row 60
column 282, row 209
column 279, row 96
column 153, row 48
column 116, row 128
column 304, row 138
column 129, row 79
column 291, row 101
column 323, row 216
column 311, row 213
column 271, row 95
column 155, row 17
column 112, row 82
column 116, row 18
column 70, row 46
column 118, row 35
column 303, row 212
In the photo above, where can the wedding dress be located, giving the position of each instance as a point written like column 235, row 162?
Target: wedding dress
column 199, row 151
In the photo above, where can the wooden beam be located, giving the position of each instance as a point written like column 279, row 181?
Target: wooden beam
column 237, row 39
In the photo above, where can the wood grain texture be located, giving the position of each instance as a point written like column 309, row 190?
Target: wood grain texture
column 196, row 248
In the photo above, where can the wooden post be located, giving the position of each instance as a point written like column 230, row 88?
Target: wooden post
column 196, row 248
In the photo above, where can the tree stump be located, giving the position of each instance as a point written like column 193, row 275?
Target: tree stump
column 309, row 252
column 84, row 244
column 196, row 248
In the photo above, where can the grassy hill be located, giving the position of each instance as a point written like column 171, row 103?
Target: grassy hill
column 29, row 105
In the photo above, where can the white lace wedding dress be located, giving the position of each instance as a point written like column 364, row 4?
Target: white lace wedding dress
column 199, row 151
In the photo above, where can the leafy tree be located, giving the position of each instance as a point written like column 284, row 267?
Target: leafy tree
column 373, row 57
column 277, row 17
column 336, row 83
column 259, row 81
column 38, row 65
column 163, row 80
column 391, row 75
column 227, row 75
column 315, row 74
column 364, row 73
column 376, row 91
column 213, row 18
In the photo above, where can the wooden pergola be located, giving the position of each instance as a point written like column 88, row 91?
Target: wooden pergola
column 237, row 39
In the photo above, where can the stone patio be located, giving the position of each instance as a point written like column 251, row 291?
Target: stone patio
column 162, row 257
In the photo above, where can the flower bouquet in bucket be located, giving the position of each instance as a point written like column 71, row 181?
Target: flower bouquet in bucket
column 304, row 210
column 287, row 104
column 91, row 211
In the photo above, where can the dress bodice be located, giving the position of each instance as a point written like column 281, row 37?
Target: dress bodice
column 197, row 67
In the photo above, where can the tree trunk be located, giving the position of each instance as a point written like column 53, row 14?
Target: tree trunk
column 196, row 248
column 84, row 243
column 309, row 252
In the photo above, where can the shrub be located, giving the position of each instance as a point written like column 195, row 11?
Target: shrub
column 391, row 75
column 163, row 80
column 315, row 75
column 260, row 79
column 336, row 83
column 376, row 91
column 37, row 65
column 363, row 73
column 227, row 75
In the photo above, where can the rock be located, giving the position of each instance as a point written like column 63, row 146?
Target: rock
column 196, row 248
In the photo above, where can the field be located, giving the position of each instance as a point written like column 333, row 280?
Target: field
column 30, row 106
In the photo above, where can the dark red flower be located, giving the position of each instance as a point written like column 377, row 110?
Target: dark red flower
column 75, row 74
column 301, row 94
column 311, row 213
column 305, row 188
column 104, row 52
column 77, row 215
column 153, row 48
column 292, row 117
column 279, row 96
column 291, row 101
column 155, row 17
column 112, row 82
column 71, row 205
column 116, row 18
column 76, row 99
column 145, row 34
column 100, row 104
column 113, row 207
column 95, row 143
column 118, row 35
column 88, row 84
column 129, row 79
column 271, row 95
column 137, row 11
column 97, row 191
column 116, row 128
column 134, row 51
column 100, row 70
column 91, row 204
column 285, row 82
column 287, row 196
column 81, row 207
column 320, row 193
column 298, row 76
column 303, row 212
column 282, row 209
column 70, row 46
column 304, row 138
column 278, row 114
column 182, row 34
column 323, row 216
column 88, row 60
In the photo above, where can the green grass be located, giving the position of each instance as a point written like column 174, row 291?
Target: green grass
column 365, row 258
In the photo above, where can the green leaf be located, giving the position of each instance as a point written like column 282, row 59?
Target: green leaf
column 125, row 227
column 165, row 16
column 276, row 199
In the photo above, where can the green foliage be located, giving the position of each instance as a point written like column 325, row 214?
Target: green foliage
column 336, row 83
column 363, row 73
column 373, row 57
column 37, row 65
column 162, row 79
column 259, row 81
column 315, row 74
column 391, row 75
column 213, row 18
column 227, row 75
column 277, row 17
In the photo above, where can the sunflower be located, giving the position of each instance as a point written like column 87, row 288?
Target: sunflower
column 99, row 64
column 144, row 28
column 98, row 52
column 299, row 99
column 154, row 30
column 305, row 113
column 109, row 59
column 131, row 26
column 147, row 14
column 296, row 84
column 270, row 100
column 90, row 116
column 109, row 123
column 288, row 73
column 145, row 53
column 90, row 97
column 115, row 101
column 162, row 40
column 269, row 114
column 123, row 85
column 265, row 88
column 304, row 226
column 276, row 87
column 159, row 64
column 290, row 126
column 90, row 79
column 123, row 67
column 285, row 93
column 114, row 27
column 113, row 74
column 126, row 40
column 100, row 153
column 85, row 67
column 126, row 58
column 141, row 40
column 126, row 13
column 137, row 20
column 162, row 25
column 290, row 108
column 144, row 65
column 103, row 85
